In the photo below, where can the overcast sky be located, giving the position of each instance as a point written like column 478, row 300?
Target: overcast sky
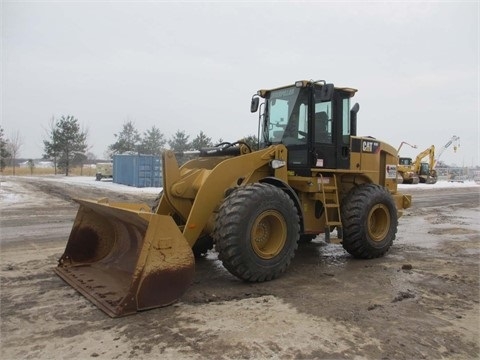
column 194, row 66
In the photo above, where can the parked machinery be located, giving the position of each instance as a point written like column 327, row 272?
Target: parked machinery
column 413, row 172
column 405, row 171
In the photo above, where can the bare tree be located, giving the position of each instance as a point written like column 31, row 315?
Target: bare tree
column 13, row 145
column 31, row 165
column 51, row 144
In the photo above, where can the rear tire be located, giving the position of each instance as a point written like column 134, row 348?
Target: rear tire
column 256, row 232
column 369, row 218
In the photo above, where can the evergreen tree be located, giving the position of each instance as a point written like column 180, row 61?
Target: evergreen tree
column 252, row 141
column 127, row 140
column 201, row 141
column 67, row 143
column 153, row 142
column 179, row 142
column 4, row 153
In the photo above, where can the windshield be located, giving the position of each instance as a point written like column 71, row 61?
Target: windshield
column 286, row 116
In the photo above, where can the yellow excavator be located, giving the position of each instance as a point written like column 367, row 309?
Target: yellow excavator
column 426, row 170
column 406, row 173
column 413, row 172
column 312, row 174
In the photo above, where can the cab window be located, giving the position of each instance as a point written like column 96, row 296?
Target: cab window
column 323, row 122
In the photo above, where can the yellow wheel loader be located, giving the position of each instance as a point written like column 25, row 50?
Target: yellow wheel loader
column 407, row 172
column 311, row 174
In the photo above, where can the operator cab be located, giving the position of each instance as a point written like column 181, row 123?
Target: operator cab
column 313, row 120
column 405, row 161
column 424, row 169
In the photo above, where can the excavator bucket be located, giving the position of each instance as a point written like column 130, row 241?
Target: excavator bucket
column 123, row 258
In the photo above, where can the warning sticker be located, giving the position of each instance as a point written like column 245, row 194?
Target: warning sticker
column 391, row 172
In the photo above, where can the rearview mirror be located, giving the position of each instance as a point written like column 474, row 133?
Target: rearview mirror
column 254, row 104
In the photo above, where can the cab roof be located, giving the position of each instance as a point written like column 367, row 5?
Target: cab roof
column 305, row 83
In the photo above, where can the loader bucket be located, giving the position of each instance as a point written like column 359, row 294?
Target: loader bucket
column 124, row 258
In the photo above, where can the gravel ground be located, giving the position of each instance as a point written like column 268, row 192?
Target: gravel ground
column 419, row 301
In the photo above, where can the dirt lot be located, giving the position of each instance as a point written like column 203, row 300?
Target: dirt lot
column 420, row 301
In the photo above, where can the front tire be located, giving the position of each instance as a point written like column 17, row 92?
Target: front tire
column 156, row 202
column 256, row 232
column 201, row 246
column 370, row 220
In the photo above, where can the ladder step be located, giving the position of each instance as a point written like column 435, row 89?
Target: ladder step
column 334, row 203
column 330, row 205
column 329, row 188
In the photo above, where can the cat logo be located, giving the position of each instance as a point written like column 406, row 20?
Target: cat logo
column 369, row 146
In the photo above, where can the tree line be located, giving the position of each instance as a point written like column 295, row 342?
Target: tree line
column 66, row 144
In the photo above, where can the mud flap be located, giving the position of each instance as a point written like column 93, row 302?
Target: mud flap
column 124, row 258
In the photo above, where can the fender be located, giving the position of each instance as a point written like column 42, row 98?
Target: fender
column 289, row 190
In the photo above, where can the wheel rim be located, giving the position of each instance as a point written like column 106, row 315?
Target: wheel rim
column 378, row 222
column 269, row 234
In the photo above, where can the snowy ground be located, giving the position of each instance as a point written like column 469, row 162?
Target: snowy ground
column 104, row 183
column 109, row 184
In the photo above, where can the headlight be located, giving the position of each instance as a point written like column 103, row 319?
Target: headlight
column 276, row 164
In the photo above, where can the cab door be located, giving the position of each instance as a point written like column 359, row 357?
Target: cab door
column 323, row 134
column 343, row 130
column 331, row 132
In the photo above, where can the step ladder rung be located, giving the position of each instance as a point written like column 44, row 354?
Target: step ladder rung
column 332, row 205
column 335, row 223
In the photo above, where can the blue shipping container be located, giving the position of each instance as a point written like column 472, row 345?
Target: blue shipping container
column 137, row 170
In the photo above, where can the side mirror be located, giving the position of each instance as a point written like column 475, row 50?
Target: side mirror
column 254, row 104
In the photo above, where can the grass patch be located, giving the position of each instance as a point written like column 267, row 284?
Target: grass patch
column 36, row 171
